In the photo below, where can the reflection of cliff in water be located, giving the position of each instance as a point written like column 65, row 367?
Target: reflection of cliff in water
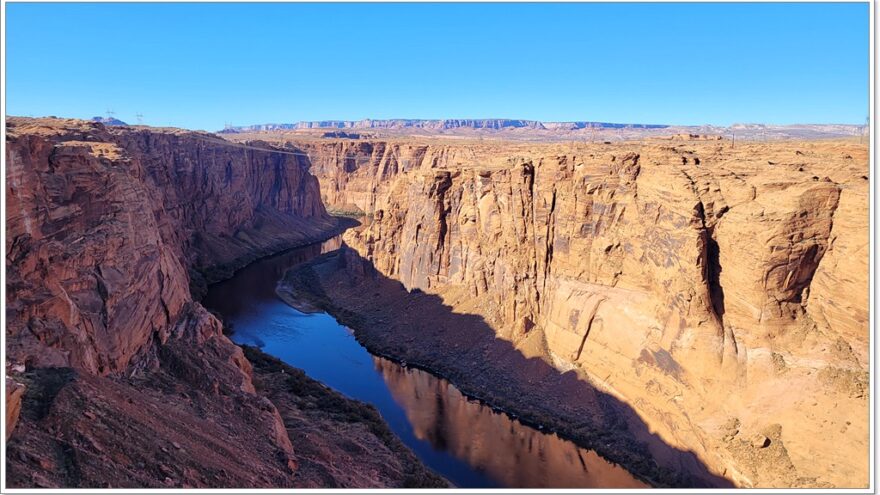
column 513, row 454
column 239, row 294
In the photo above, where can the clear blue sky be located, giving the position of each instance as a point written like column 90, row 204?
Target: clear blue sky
column 201, row 65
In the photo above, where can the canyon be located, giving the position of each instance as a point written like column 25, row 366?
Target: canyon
column 694, row 310
column 714, row 294
column 116, row 376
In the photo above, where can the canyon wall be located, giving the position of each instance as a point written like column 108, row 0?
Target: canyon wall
column 108, row 228
column 116, row 376
column 721, row 291
column 354, row 175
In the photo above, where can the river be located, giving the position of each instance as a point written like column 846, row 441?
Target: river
column 461, row 439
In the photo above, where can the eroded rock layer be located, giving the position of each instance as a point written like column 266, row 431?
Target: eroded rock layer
column 104, row 225
column 116, row 376
column 720, row 291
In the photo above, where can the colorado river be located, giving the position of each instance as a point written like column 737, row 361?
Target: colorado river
column 462, row 440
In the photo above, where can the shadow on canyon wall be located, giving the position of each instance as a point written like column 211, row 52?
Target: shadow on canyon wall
column 417, row 327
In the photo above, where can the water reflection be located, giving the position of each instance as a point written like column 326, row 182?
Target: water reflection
column 512, row 454
column 254, row 285
column 466, row 442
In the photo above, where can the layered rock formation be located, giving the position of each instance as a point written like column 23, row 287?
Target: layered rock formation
column 104, row 227
column 693, row 310
column 111, row 234
column 720, row 291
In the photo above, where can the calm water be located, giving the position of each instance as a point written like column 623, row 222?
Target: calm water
column 464, row 441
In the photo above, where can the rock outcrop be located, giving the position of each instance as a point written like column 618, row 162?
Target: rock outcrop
column 108, row 228
column 14, row 391
column 698, row 282
column 121, row 378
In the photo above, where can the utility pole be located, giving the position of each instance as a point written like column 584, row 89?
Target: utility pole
column 140, row 118
column 110, row 114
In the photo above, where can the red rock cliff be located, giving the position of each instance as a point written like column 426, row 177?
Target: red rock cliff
column 117, row 377
column 105, row 226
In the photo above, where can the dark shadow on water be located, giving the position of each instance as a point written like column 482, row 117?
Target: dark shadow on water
column 417, row 327
column 238, row 294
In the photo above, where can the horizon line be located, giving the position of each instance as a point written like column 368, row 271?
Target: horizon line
column 294, row 122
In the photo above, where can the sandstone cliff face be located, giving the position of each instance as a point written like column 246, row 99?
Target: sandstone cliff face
column 104, row 226
column 705, row 285
column 354, row 175
column 721, row 292
column 190, row 420
column 107, row 230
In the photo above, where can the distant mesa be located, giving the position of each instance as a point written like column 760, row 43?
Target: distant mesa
column 534, row 130
column 439, row 124
column 692, row 137
column 108, row 121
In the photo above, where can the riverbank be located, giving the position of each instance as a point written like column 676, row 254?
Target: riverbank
column 455, row 437
column 339, row 442
column 418, row 329
column 293, row 237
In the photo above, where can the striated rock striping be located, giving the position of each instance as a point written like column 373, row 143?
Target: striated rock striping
column 121, row 379
column 105, row 226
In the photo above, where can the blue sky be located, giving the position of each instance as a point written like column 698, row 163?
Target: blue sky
column 202, row 65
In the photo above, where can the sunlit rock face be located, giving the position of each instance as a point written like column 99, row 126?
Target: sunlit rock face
column 706, row 285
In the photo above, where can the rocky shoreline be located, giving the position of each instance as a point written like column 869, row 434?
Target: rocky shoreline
column 330, row 429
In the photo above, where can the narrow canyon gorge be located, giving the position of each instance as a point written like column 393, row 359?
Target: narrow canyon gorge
column 691, row 310
column 116, row 376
